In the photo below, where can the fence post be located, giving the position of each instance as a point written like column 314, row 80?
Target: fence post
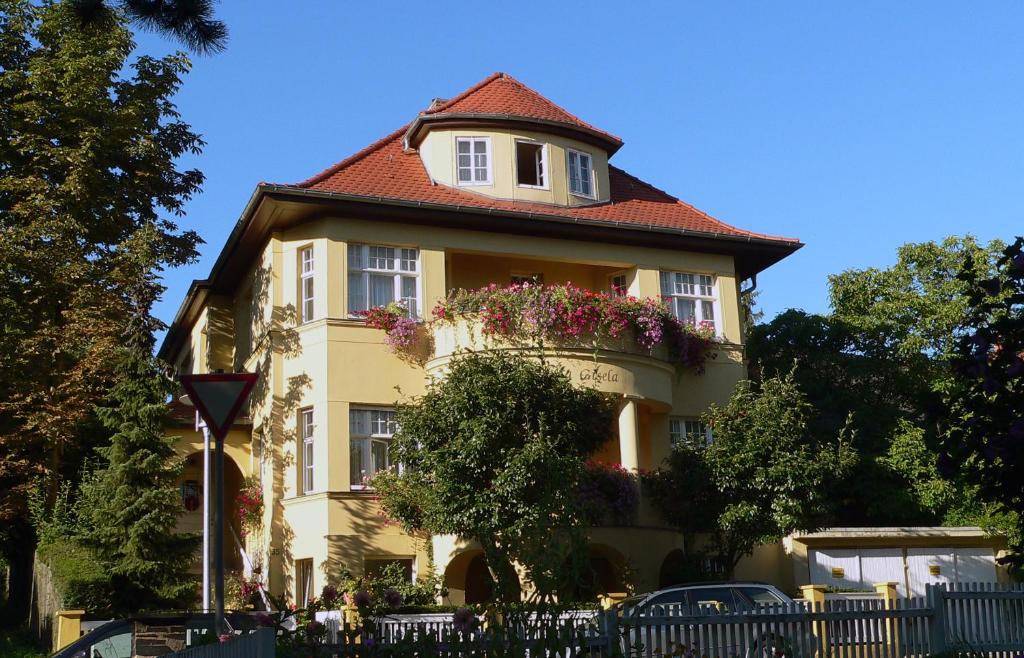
column 935, row 595
column 815, row 597
column 892, row 629
column 610, row 629
column 69, row 627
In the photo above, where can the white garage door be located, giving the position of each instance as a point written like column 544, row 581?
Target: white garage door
column 883, row 565
column 836, row 567
column 851, row 568
column 860, row 569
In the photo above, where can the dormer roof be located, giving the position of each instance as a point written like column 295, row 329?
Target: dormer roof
column 501, row 99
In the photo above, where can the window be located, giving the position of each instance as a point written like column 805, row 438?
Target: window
column 618, row 285
column 306, row 284
column 373, row 567
column 378, row 276
column 688, row 429
column 717, row 598
column 690, row 297
column 531, row 164
column 370, row 433
column 303, row 582
column 527, row 279
column 581, row 174
column 306, row 428
column 474, row 160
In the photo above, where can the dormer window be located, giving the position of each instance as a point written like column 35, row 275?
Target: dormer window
column 474, row 160
column 531, row 164
column 581, row 174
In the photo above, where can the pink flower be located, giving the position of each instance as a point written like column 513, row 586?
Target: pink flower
column 224, row 637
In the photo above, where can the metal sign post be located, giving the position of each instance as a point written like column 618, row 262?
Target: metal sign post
column 218, row 398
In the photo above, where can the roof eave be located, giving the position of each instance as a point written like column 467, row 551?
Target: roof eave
column 413, row 135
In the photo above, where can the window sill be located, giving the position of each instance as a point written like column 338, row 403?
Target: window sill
column 543, row 188
column 588, row 197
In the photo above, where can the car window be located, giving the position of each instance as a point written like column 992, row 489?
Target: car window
column 716, row 597
column 671, row 598
column 761, row 596
column 115, row 646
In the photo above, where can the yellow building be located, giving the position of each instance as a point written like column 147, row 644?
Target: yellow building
column 496, row 185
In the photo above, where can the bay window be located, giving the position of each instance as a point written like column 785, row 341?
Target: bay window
column 379, row 275
column 370, row 434
column 692, row 298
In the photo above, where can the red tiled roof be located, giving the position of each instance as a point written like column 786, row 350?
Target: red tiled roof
column 500, row 93
column 385, row 169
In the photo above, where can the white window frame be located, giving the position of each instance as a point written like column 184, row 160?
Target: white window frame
column 399, row 272
column 543, row 173
column 682, row 428
column 489, row 154
column 618, row 291
column 307, row 284
column 303, row 581
column 369, row 439
column 307, row 432
column 697, row 287
column 578, row 171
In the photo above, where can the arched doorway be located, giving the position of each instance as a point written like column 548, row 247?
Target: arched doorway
column 467, row 579
column 599, row 573
column 191, row 497
column 675, row 569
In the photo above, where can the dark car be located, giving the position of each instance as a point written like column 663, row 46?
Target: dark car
column 114, row 639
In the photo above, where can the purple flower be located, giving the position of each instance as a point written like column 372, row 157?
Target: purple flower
column 463, row 620
column 315, row 628
column 329, row 593
column 392, row 598
column 362, row 599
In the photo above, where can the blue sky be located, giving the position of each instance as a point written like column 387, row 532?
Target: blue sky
column 856, row 127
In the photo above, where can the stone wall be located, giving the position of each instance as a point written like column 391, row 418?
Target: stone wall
column 45, row 602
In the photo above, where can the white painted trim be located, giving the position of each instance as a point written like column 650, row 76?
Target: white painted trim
column 568, row 166
column 544, row 160
column 472, row 168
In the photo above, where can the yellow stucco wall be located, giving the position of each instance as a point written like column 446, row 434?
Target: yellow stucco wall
column 334, row 362
column 437, row 151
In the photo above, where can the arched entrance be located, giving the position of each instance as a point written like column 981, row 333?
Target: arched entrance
column 191, row 497
column 467, row 579
column 599, row 573
column 674, row 569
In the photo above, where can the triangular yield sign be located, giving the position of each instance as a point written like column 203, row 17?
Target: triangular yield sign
column 219, row 397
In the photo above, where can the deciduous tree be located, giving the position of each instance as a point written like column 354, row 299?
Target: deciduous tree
column 765, row 474
column 493, row 453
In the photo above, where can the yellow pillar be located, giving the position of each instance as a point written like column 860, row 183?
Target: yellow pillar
column 815, row 597
column 889, row 596
column 629, row 438
column 69, row 627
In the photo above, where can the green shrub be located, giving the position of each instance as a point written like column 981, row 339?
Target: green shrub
column 15, row 645
column 77, row 575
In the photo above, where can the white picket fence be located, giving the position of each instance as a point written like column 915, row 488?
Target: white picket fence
column 980, row 619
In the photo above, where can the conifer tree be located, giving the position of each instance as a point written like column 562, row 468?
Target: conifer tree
column 128, row 508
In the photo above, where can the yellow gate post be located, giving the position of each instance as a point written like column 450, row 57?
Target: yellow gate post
column 815, row 597
column 69, row 627
column 892, row 629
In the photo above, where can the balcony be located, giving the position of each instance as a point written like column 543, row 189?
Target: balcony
column 612, row 365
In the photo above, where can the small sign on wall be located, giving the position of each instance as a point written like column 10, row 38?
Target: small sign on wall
column 934, row 570
column 838, row 572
